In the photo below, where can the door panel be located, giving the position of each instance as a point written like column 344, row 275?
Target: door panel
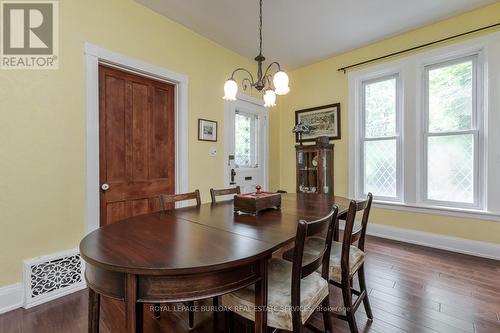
column 140, row 125
column 137, row 148
column 115, row 211
column 114, row 132
column 162, row 137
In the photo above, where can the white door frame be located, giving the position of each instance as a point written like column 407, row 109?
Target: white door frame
column 229, row 109
column 94, row 56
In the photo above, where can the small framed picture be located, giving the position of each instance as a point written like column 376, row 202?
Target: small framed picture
column 321, row 121
column 207, row 130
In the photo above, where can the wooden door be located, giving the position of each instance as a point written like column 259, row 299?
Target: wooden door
column 136, row 142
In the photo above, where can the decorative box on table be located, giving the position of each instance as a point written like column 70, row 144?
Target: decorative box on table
column 253, row 203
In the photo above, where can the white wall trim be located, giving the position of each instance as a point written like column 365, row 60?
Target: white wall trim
column 436, row 241
column 11, row 297
column 438, row 210
column 448, row 243
column 19, row 294
column 95, row 55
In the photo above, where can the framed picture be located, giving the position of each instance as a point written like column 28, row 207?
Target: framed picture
column 321, row 120
column 207, row 130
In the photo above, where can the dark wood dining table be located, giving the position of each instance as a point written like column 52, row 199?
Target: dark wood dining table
column 192, row 253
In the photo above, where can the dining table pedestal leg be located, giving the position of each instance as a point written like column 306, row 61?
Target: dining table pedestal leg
column 261, row 298
column 133, row 310
column 94, row 308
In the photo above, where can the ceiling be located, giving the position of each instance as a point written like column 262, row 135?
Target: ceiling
column 298, row 32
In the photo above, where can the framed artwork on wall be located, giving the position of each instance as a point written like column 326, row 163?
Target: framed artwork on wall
column 207, row 130
column 320, row 121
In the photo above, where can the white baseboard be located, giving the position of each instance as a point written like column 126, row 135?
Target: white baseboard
column 41, row 284
column 11, row 297
column 454, row 244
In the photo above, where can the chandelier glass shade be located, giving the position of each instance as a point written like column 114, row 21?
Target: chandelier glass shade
column 266, row 82
column 269, row 98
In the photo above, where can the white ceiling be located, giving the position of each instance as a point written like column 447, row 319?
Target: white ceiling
column 298, row 32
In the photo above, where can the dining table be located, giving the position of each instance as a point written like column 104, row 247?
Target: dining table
column 192, row 253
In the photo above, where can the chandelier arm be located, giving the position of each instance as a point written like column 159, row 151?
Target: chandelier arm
column 268, row 79
column 270, row 65
column 246, row 71
column 244, row 85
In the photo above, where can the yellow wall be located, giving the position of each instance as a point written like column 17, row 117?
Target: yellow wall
column 42, row 122
column 321, row 83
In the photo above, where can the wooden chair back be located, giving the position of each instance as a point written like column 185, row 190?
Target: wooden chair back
column 302, row 269
column 167, row 200
column 217, row 193
column 359, row 235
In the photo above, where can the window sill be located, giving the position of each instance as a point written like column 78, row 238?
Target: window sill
column 457, row 212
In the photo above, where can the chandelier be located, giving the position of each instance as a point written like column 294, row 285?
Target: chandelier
column 269, row 85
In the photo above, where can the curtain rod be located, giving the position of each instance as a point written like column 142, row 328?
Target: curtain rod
column 344, row 69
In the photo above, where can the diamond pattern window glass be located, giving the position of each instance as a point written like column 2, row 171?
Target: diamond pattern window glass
column 380, row 140
column 451, row 133
column 246, row 140
column 380, row 167
column 450, row 165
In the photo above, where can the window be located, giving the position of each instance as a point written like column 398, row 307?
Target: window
column 246, row 130
column 451, row 133
column 380, row 140
column 423, row 131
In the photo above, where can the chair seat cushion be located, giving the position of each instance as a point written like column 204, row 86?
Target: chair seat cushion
column 313, row 290
column 313, row 246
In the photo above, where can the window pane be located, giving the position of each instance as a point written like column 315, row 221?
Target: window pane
column 450, row 97
column 246, row 136
column 380, row 108
column 380, row 168
column 450, row 168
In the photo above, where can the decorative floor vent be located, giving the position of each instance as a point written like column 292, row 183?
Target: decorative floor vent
column 49, row 277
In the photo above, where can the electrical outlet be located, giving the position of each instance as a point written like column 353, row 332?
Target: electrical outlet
column 213, row 152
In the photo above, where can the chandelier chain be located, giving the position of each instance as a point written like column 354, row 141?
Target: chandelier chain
column 260, row 29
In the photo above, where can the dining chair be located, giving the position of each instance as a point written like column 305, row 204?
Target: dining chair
column 217, row 193
column 295, row 289
column 346, row 260
column 167, row 202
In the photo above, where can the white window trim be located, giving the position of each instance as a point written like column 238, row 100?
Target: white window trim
column 477, row 130
column 397, row 136
column 411, row 67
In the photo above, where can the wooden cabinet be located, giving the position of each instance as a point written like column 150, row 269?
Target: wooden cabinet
column 315, row 167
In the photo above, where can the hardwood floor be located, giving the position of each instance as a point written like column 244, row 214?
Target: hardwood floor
column 412, row 289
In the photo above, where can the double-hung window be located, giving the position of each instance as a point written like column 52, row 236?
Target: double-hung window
column 451, row 134
column 435, row 101
column 380, row 171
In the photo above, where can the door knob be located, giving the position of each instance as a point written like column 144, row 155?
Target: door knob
column 105, row 187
